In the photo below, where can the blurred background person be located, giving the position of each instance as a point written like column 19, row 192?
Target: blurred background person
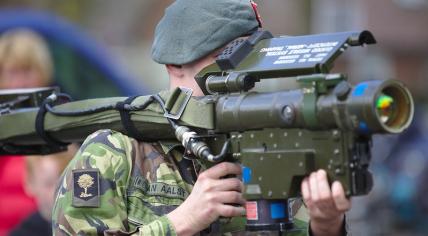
column 42, row 175
column 24, row 63
column 39, row 49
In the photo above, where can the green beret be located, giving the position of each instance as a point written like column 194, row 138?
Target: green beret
column 191, row 29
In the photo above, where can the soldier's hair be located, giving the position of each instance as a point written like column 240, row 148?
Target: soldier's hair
column 25, row 48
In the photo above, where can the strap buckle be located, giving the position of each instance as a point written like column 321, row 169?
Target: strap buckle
column 181, row 95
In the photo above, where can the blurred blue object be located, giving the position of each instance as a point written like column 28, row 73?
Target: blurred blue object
column 82, row 67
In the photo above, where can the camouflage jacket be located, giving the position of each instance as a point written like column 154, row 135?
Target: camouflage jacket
column 116, row 185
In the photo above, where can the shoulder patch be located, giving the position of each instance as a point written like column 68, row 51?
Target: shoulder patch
column 86, row 188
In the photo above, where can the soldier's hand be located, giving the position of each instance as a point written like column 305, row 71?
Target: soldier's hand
column 212, row 196
column 326, row 206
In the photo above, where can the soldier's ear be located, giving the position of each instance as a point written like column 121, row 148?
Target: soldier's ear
column 175, row 70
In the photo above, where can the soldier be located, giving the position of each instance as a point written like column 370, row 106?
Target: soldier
column 116, row 184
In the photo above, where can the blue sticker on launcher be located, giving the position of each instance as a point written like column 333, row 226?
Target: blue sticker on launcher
column 363, row 127
column 359, row 90
column 277, row 210
column 246, row 175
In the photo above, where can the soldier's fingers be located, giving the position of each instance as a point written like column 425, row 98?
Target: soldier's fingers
column 306, row 192
column 324, row 191
column 228, row 197
column 231, row 211
column 313, row 185
column 222, row 169
column 228, row 184
column 342, row 203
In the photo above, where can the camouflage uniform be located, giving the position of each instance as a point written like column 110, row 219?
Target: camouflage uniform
column 116, row 185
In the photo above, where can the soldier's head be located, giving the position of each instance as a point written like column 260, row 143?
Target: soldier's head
column 24, row 60
column 192, row 32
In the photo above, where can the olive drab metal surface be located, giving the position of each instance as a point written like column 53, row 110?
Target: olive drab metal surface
column 279, row 137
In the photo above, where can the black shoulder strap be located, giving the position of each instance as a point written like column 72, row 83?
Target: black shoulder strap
column 40, row 127
column 128, row 125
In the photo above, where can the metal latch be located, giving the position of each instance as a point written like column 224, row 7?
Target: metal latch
column 182, row 95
